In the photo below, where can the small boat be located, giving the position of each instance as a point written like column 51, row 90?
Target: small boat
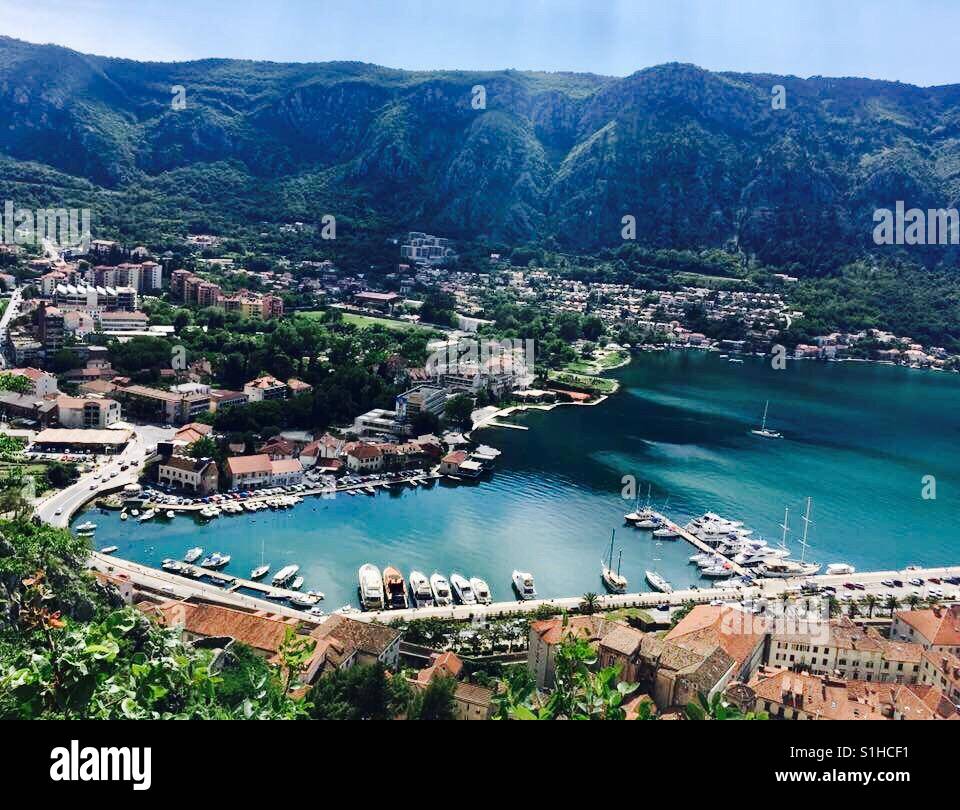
column 369, row 491
column 763, row 431
column 172, row 565
column 135, row 512
column 642, row 518
column 394, row 588
column 371, row 587
column 285, row 574
column 86, row 528
column 260, row 571
column 193, row 554
column 171, row 513
column 124, row 516
column 303, row 600
column 215, row 560
column 666, row 533
column 734, row 360
column 717, row 571
column 148, row 515
column 420, row 589
column 614, row 581
column 347, row 610
column 462, row 588
column 523, row 585
column 481, row 591
column 840, row 568
column 297, row 584
column 657, row 582
column 441, row 590
column 109, row 549
column 316, row 611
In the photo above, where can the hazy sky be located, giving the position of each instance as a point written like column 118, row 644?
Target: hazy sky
column 913, row 41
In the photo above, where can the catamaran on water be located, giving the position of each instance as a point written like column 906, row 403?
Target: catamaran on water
column 420, row 589
column 614, row 581
column 371, row 587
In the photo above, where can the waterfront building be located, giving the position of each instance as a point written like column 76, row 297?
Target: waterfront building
column 258, row 471
column 363, row 457
column 740, row 634
column 840, row 647
column 197, row 475
column 936, row 628
column 451, row 463
column 87, row 412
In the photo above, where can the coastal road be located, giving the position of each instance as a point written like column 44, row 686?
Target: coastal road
column 59, row 507
column 11, row 312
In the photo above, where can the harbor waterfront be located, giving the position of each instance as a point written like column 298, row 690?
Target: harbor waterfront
column 859, row 439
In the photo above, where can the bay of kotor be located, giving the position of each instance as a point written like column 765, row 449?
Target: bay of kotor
column 860, row 439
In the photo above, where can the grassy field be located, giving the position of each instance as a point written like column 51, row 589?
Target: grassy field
column 368, row 320
column 585, row 382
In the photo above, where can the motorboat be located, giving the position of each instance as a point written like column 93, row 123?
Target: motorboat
column 285, row 574
column 420, row 589
column 666, row 533
column 297, row 584
column 109, row 549
column 523, row 585
column 371, row 587
column 441, row 590
column 215, row 560
column 614, row 581
column 481, row 591
column 171, row 513
column 840, row 568
column 174, row 566
column 463, row 590
column 763, row 431
column 124, row 516
column 657, row 582
column 193, row 554
column 86, row 527
column 148, row 515
column 303, row 600
column 717, row 571
column 394, row 589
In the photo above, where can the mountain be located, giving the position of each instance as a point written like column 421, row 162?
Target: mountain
column 699, row 158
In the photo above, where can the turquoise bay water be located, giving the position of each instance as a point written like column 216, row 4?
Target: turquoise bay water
column 859, row 438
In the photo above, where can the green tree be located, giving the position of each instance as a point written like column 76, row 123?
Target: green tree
column 16, row 383
column 590, row 603
column 458, row 410
column 717, row 708
column 359, row 693
column 436, row 701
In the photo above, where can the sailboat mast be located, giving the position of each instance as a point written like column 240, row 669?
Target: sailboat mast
column 619, row 561
column 786, row 513
column 613, row 534
column 806, row 527
column 763, row 423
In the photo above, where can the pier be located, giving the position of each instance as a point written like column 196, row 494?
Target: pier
column 697, row 543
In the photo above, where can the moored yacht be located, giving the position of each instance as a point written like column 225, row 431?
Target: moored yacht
column 395, row 589
column 174, row 566
column 148, row 515
column 441, row 590
column 371, row 587
column 657, row 582
column 285, row 574
column 840, row 568
column 463, row 590
column 786, row 569
column 215, row 560
column 523, row 585
column 109, row 549
column 420, row 589
column 481, row 590
column 666, row 533
column 614, row 581
column 260, row 571
column 193, row 554
column 86, row 527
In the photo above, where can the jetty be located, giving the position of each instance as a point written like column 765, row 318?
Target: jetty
column 697, row 543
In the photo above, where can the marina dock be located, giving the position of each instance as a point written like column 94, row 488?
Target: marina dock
column 697, row 543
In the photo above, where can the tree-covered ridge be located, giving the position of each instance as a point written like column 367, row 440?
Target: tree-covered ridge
column 701, row 159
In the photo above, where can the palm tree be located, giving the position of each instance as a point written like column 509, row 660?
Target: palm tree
column 833, row 606
column 913, row 600
column 891, row 604
column 871, row 601
column 590, row 603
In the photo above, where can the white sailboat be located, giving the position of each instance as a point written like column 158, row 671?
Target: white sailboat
column 763, row 430
column 657, row 582
column 264, row 568
column 783, row 568
column 614, row 581
column 642, row 518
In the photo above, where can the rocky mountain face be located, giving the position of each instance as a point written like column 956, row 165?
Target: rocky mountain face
column 699, row 158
